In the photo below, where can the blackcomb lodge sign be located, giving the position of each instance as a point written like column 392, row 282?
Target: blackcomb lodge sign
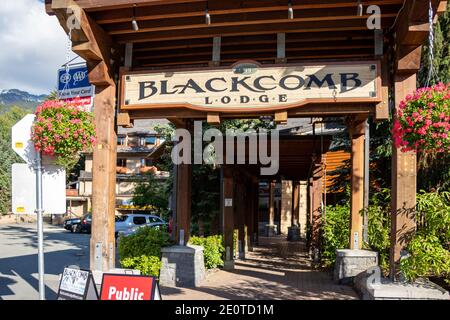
column 247, row 85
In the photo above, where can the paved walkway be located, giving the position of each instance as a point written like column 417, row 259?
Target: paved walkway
column 277, row 269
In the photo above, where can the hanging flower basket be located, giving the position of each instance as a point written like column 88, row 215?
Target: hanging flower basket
column 422, row 121
column 63, row 130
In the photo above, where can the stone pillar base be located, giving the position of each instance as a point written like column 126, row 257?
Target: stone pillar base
column 228, row 265
column 182, row 266
column 371, row 286
column 293, row 234
column 350, row 263
column 271, row 230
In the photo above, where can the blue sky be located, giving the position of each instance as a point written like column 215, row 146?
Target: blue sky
column 33, row 46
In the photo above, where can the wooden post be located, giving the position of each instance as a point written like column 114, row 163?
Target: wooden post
column 295, row 203
column 249, row 214
column 286, row 206
column 403, row 190
column 316, row 209
column 255, row 234
column 240, row 218
column 183, row 198
column 102, row 253
column 356, row 128
column 271, row 203
column 228, row 216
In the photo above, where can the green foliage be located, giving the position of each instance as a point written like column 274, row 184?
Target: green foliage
column 335, row 232
column 7, row 155
column 148, row 265
column 336, row 229
column 213, row 250
column 152, row 192
column 429, row 253
column 142, row 250
column 379, row 227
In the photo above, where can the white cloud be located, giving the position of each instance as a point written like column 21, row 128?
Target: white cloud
column 33, row 45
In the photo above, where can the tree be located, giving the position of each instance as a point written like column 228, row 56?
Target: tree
column 153, row 192
column 441, row 53
column 7, row 155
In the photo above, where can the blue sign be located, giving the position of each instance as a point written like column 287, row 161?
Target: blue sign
column 74, row 82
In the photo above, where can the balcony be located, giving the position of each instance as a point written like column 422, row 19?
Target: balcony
column 122, row 170
column 148, row 169
column 71, row 193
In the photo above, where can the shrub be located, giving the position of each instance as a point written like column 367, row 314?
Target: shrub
column 379, row 224
column 336, row 229
column 213, row 250
column 148, row 265
column 335, row 232
column 142, row 250
column 429, row 253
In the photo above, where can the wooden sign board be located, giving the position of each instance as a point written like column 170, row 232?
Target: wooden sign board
column 129, row 287
column 77, row 284
column 248, row 85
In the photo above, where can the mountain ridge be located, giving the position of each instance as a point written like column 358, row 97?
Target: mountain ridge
column 17, row 97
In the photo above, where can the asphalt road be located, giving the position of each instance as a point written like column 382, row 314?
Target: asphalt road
column 19, row 260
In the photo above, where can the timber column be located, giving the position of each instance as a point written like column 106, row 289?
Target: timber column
column 102, row 255
column 271, row 228
column 316, row 209
column 403, row 192
column 183, row 191
column 356, row 128
column 228, row 216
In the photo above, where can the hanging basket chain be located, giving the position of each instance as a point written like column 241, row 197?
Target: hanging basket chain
column 66, row 65
column 431, row 72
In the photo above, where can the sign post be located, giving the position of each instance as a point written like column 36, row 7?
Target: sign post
column 22, row 186
column 39, row 212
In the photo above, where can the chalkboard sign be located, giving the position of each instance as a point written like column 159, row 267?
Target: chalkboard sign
column 77, row 284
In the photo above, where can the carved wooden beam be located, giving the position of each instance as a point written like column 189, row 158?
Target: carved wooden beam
column 411, row 31
column 89, row 41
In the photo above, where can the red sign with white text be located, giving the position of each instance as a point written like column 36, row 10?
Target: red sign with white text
column 127, row 287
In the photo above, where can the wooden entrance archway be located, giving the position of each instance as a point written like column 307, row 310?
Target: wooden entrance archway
column 173, row 33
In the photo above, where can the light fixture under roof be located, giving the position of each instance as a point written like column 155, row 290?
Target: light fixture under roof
column 134, row 23
column 290, row 10
column 359, row 11
column 207, row 15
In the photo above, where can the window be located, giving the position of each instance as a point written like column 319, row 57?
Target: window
column 121, row 162
column 148, row 141
column 139, row 220
column 121, row 141
column 146, row 162
column 121, row 218
column 153, row 219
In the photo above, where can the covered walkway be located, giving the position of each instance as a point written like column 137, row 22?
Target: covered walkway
column 276, row 269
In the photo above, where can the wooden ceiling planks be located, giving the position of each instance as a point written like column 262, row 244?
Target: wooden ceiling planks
column 174, row 33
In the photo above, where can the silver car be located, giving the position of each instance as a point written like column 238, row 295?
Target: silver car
column 131, row 221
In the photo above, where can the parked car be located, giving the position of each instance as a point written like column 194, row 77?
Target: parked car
column 85, row 224
column 130, row 221
column 156, row 225
column 71, row 224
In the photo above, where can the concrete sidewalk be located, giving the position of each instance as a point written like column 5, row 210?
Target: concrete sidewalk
column 277, row 269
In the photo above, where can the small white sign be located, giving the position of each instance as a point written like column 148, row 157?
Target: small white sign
column 228, row 202
column 21, row 139
column 24, row 189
